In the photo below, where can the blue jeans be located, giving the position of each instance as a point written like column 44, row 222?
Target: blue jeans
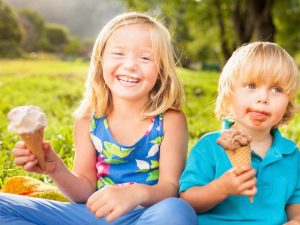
column 20, row 210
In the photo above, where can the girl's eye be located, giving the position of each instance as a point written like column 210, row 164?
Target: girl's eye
column 117, row 53
column 250, row 86
column 145, row 58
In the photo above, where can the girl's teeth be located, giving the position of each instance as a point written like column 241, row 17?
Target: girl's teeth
column 128, row 79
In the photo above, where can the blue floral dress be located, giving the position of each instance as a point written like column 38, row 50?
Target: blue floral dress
column 125, row 165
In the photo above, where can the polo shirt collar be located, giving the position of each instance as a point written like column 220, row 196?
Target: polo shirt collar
column 281, row 145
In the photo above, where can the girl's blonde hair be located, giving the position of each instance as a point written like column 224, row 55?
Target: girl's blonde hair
column 166, row 93
column 258, row 61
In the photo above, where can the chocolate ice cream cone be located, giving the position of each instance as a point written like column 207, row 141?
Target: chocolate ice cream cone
column 239, row 157
column 34, row 142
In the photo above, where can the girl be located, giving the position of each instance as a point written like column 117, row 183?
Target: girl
column 129, row 155
column 257, row 90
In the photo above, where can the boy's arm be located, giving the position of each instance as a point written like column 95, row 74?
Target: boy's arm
column 293, row 212
column 203, row 198
column 240, row 181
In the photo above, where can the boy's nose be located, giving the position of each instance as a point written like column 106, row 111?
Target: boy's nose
column 263, row 97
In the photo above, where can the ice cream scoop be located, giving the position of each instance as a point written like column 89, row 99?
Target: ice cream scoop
column 237, row 147
column 29, row 122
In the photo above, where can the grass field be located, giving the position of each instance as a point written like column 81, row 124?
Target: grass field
column 57, row 86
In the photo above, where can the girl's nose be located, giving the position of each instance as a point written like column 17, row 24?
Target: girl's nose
column 130, row 63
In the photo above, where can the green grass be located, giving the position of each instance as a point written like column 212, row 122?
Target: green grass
column 57, row 86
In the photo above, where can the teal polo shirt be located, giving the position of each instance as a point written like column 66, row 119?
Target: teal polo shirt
column 278, row 182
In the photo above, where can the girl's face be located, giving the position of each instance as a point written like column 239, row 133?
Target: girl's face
column 258, row 105
column 129, row 63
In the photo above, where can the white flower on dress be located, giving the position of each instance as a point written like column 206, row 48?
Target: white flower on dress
column 142, row 165
column 97, row 143
column 153, row 150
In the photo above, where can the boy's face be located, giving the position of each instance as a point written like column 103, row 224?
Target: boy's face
column 258, row 106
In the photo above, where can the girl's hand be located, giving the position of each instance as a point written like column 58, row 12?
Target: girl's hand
column 239, row 181
column 113, row 201
column 25, row 158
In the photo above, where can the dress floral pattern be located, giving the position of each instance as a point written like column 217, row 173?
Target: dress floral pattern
column 125, row 165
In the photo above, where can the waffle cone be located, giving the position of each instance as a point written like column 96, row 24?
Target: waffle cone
column 34, row 142
column 239, row 157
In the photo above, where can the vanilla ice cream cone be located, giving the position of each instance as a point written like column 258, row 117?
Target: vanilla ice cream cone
column 29, row 122
column 239, row 157
column 34, row 142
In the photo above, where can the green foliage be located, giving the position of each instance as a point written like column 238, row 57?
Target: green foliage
column 54, row 86
column 56, row 37
column 57, row 87
column 196, row 25
column 34, row 25
column 57, row 34
column 10, row 49
column 288, row 35
column 35, row 18
column 10, row 32
column 73, row 48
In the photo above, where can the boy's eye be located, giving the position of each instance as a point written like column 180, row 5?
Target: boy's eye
column 250, row 86
column 276, row 89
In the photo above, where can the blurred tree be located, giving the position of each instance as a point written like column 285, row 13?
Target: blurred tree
column 34, row 27
column 210, row 30
column 175, row 16
column 74, row 48
column 10, row 32
column 57, row 36
column 287, row 24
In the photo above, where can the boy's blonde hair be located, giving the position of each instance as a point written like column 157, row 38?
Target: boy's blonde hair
column 166, row 93
column 258, row 61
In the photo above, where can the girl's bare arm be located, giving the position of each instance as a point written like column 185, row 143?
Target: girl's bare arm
column 172, row 159
column 79, row 184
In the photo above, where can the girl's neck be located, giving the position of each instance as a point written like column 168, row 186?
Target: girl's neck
column 127, row 109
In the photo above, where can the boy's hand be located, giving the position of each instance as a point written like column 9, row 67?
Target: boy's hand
column 292, row 222
column 238, row 181
column 112, row 202
column 25, row 158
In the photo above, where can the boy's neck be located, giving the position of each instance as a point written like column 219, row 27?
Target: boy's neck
column 261, row 144
column 261, row 141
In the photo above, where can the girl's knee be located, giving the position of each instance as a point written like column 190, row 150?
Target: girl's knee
column 174, row 211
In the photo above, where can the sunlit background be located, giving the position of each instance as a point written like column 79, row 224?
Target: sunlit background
column 45, row 46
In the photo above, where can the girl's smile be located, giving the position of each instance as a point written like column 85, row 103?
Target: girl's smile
column 128, row 80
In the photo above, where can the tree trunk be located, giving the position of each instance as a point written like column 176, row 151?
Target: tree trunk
column 253, row 20
column 264, row 26
column 243, row 20
column 224, row 44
